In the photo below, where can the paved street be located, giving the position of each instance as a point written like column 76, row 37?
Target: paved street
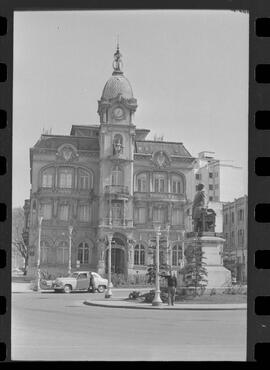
column 51, row 326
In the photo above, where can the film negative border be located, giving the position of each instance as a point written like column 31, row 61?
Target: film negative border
column 258, row 337
column 5, row 180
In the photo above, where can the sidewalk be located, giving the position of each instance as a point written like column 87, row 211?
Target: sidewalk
column 20, row 287
column 120, row 303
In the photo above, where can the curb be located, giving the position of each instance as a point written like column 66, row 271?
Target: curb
column 166, row 308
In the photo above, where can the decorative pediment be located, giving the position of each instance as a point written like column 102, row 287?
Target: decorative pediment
column 67, row 153
column 161, row 159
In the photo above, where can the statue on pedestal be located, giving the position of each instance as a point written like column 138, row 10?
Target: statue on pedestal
column 198, row 209
column 203, row 218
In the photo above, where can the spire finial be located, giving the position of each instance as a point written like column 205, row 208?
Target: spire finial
column 117, row 63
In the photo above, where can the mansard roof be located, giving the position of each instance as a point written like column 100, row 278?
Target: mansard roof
column 171, row 148
column 80, row 142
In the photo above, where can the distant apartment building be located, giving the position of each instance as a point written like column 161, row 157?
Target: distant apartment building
column 223, row 183
column 235, row 232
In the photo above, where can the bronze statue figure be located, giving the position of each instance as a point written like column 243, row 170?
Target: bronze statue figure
column 198, row 209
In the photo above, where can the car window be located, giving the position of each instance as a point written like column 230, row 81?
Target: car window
column 82, row 276
column 75, row 274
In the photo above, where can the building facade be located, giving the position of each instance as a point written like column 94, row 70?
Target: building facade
column 107, row 178
column 223, row 181
column 235, row 218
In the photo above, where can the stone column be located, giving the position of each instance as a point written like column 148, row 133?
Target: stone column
column 150, row 213
column 101, row 256
column 183, row 246
column 169, row 213
column 169, row 183
column 130, row 254
column 124, row 212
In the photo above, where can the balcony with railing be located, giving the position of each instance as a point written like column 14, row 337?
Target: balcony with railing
column 158, row 196
column 116, row 222
column 117, row 190
column 52, row 191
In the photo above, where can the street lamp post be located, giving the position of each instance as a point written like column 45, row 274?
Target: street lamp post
column 168, row 246
column 38, row 256
column 70, row 229
column 108, row 293
column 157, row 300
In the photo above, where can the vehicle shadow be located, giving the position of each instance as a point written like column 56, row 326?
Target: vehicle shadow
column 74, row 292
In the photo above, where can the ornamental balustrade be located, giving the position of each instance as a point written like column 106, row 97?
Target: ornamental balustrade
column 116, row 189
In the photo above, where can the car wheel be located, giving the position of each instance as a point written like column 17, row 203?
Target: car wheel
column 101, row 289
column 67, row 288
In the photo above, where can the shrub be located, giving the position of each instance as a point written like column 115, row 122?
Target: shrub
column 148, row 297
column 236, row 289
column 135, row 294
column 118, row 279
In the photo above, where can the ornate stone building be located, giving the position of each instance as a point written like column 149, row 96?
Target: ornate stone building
column 235, row 231
column 107, row 178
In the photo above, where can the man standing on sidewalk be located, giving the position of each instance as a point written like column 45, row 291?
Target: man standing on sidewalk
column 172, row 284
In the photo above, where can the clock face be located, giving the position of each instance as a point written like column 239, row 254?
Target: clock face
column 118, row 113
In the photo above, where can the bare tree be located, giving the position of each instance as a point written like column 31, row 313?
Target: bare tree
column 17, row 235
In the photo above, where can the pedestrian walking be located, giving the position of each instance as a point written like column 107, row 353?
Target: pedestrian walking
column 172, row 284
column 92, row 284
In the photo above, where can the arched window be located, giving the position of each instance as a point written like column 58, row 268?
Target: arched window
column 176, row 255
column 84, row 180
column 66, row 177
column 141, row 183
column 62, row 253
column 159, row 183
column 117, row 144
column 47, row 177
column 139, row 255
column 44, row 251
column 177, row 184
column 117, row 175
column 83, row 253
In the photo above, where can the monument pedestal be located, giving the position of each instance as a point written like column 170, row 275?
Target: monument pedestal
column 212, row 246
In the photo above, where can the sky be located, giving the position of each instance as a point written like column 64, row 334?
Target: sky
column 188, row 70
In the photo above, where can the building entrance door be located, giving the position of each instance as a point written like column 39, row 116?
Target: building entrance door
column 117, row 260
column 118, row 257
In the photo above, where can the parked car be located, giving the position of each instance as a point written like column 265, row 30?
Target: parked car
column 79, row 280
column 17, row 271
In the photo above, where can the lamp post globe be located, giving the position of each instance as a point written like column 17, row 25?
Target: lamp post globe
column 70, row 229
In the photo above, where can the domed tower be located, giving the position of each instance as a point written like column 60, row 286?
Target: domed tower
column 117, row 139
column 117, row 103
